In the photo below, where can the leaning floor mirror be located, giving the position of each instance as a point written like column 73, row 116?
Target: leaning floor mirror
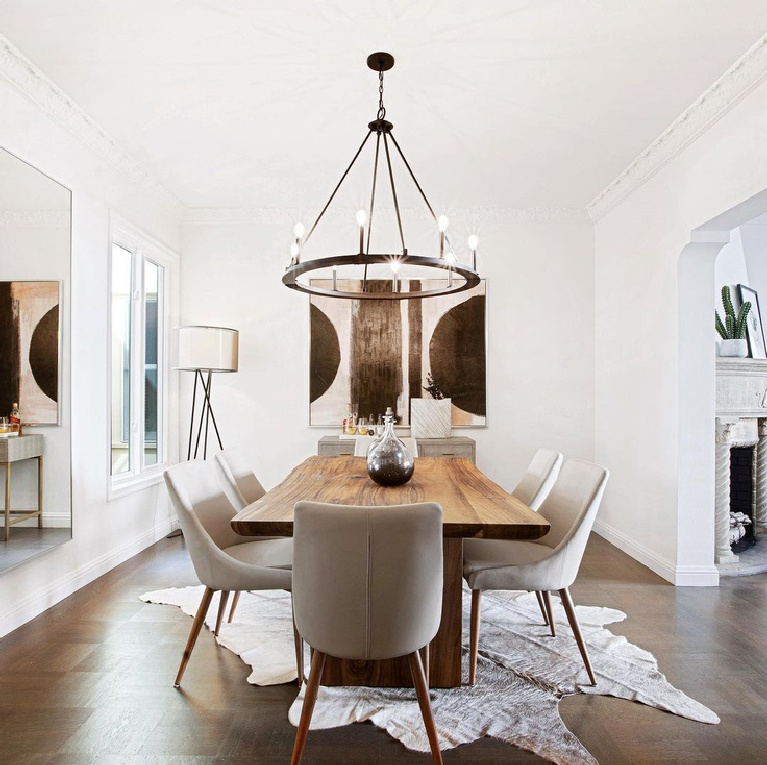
column 35, row 447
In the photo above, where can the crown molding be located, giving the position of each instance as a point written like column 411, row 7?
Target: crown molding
column 32, row 83
column 39, row 218
column 216, row 216
column 748, row 72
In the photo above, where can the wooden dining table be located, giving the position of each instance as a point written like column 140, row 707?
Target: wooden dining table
column 473, row 506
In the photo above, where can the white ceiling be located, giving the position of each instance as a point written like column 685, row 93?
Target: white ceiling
column 236, row 103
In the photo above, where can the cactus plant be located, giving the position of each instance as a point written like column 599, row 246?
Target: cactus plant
column 734, row 325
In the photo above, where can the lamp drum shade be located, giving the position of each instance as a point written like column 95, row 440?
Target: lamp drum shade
column 207, row 348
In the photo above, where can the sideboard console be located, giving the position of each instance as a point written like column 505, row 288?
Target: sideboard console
column 455, row 446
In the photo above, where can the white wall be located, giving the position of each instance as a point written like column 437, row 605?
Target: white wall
column 643, row 394
column 540, row 352
column 730, row 268
column 104, row 533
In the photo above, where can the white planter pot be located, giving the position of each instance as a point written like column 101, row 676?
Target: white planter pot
column 733, row 348
column 431, row 418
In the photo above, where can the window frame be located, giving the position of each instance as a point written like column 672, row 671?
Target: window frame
column 142, row 248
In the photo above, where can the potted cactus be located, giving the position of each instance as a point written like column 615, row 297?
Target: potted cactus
column 733, row 329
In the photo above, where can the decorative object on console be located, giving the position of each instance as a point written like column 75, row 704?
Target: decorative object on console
column 733, row 329
column 201, row 350
column 459, row 276
column 753, row 321
column 430, row 417
column 374, row 353
column 30, row 338
column 389, row 461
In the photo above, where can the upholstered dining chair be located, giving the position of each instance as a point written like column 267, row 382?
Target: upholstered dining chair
column 534, row 487
column 367, row 584
column 361, row 446
column 223, row 560
column 239, row 481
column 549, row 563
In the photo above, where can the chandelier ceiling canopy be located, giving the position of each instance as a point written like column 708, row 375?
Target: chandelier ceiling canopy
column 341, row 270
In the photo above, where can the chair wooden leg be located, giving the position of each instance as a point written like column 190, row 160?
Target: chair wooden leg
column 542, row 607
column 312, row 686
column 550, row 611
column 567, row 602
column 199, row 620
column 476, row 601
column 298, row 643
column 235, row 601
column 425, row 662
column 422, row 694
column 223, row 599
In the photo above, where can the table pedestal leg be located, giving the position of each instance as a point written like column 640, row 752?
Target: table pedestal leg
column 445, row 649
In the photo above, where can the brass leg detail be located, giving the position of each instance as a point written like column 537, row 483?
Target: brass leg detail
column 476, row 600
column 567, row 602
column 312, row 686
column 422, row 694
column 40, row 491
column 199, row 619
column 550, row 611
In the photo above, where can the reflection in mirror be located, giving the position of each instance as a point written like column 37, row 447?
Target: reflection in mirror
column 35, row 458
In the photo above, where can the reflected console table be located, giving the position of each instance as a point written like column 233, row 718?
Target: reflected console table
column 14, row 449
column 455, row 446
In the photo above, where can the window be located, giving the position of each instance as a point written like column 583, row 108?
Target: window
column 138, row 390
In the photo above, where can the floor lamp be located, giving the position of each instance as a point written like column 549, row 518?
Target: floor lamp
column 205, row 351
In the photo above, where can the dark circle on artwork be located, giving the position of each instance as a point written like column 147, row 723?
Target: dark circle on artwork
column 44, row 354
column 325, row 354
column 457, row 355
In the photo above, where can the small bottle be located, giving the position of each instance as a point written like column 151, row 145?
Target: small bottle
column 15, row 419
column 372, row 424
column 347, row 424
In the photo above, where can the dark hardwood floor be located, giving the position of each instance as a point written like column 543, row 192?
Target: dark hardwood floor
column 90, row 681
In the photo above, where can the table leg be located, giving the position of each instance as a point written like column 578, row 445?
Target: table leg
column 7, row 500
column 444, row 652
column 40, row 491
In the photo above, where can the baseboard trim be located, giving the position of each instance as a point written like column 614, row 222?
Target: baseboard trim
column 63, row 587
column 681, row 576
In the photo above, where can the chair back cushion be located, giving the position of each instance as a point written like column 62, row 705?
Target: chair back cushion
column 238, row 477
column 204, row 513
column 539, row 479
column 367, row 581
column 572, row 505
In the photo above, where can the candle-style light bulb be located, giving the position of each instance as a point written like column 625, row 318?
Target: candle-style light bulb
column 473, row 242
column 298, row 231
column 443, row 222
column 394, row 265
column 295, row 251
column 335, row 279
column 361, row 220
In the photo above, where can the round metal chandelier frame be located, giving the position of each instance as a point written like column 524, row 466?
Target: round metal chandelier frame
column 446, row 261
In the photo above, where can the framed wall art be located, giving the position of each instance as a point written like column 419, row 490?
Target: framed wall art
column 30, row 349
column 374, row 354
column 754, row 329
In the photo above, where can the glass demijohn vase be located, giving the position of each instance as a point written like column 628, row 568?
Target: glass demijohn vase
column 389, row 461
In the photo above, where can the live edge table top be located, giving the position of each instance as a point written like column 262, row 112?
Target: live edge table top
column 472, row 505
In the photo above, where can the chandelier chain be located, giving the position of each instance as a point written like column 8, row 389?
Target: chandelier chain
column 381, row 107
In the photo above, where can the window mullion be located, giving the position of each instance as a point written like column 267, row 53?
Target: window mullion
column 137, row 363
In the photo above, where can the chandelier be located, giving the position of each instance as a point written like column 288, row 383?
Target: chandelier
column 455, row 276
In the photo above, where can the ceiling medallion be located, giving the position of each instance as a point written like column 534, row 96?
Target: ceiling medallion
column 353, row 268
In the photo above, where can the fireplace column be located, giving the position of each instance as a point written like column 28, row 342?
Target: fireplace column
column 722, row 550
column 760, row 480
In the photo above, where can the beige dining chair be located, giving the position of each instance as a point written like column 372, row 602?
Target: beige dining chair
column 367, row 584
column 223, row 560
column 534, row 487
column 361, row 446
column 546, row 564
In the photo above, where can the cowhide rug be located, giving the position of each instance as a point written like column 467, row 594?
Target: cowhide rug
column 522, row 674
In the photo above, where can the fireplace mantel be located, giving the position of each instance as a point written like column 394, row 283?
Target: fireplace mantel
column 741, row 387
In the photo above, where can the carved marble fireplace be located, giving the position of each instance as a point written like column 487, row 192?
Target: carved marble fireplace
column 741, row 422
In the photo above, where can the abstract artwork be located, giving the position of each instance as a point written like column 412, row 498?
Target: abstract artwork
column 374, row 354
column 29, row 339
